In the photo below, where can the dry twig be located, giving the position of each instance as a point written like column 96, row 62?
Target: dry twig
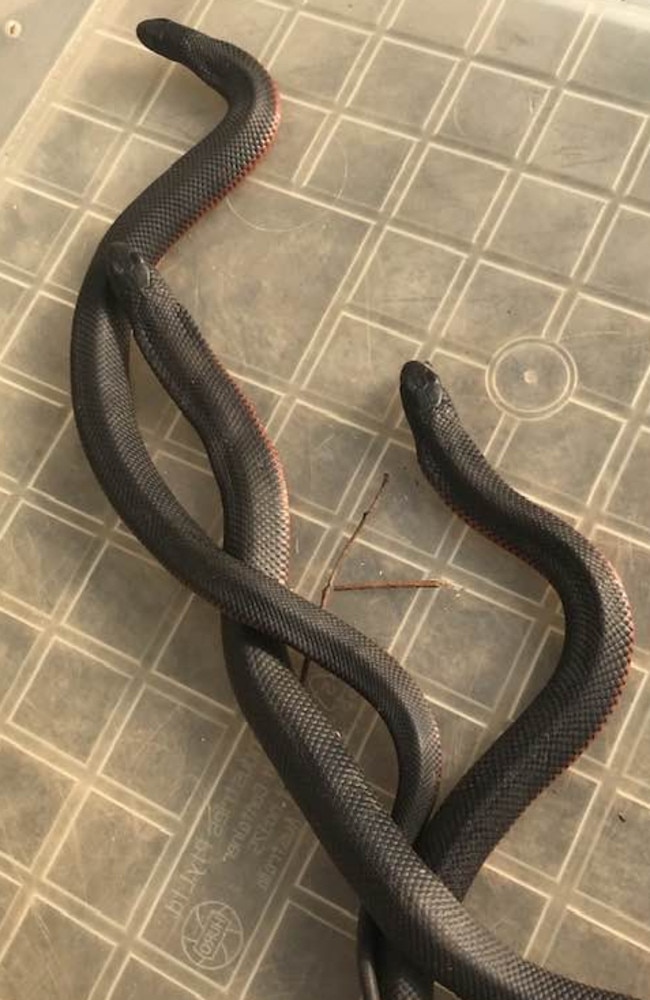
column 332, row 587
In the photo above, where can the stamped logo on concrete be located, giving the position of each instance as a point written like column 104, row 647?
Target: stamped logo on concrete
column 212, row 935
column 229, row 869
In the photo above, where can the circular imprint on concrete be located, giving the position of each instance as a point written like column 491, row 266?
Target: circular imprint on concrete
column 531, row 378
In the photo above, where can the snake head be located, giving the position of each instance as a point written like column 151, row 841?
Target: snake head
column 420, row 387
column 162, row 36
column 432, row 418
column 424, row 400
column 223, row 66
column 128, row 271
column 180, row 44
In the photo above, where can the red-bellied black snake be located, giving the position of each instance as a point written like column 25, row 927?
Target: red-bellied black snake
column 428, row 933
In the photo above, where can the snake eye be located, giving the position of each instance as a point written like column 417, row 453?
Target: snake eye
column 139, row 271
column 437, row 392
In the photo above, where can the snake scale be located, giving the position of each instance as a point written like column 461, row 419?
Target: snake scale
column 411, row 892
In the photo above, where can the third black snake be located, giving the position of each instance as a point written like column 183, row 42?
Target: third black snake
column 412, row 895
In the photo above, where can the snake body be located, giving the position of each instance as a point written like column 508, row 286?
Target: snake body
column 588, row 679
column 254, row 495
column 108, row 429
column 251, row 482
column 418, row 913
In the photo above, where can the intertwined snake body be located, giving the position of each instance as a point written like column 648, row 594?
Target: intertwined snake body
column 429, row 933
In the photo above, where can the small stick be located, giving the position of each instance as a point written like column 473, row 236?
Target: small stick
column 390, row 585
column 329, row 583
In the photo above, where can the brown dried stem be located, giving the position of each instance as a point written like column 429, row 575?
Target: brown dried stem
column 338, row 562
column 332, row 587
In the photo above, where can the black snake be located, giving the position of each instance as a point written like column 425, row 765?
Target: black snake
column 417, row 911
